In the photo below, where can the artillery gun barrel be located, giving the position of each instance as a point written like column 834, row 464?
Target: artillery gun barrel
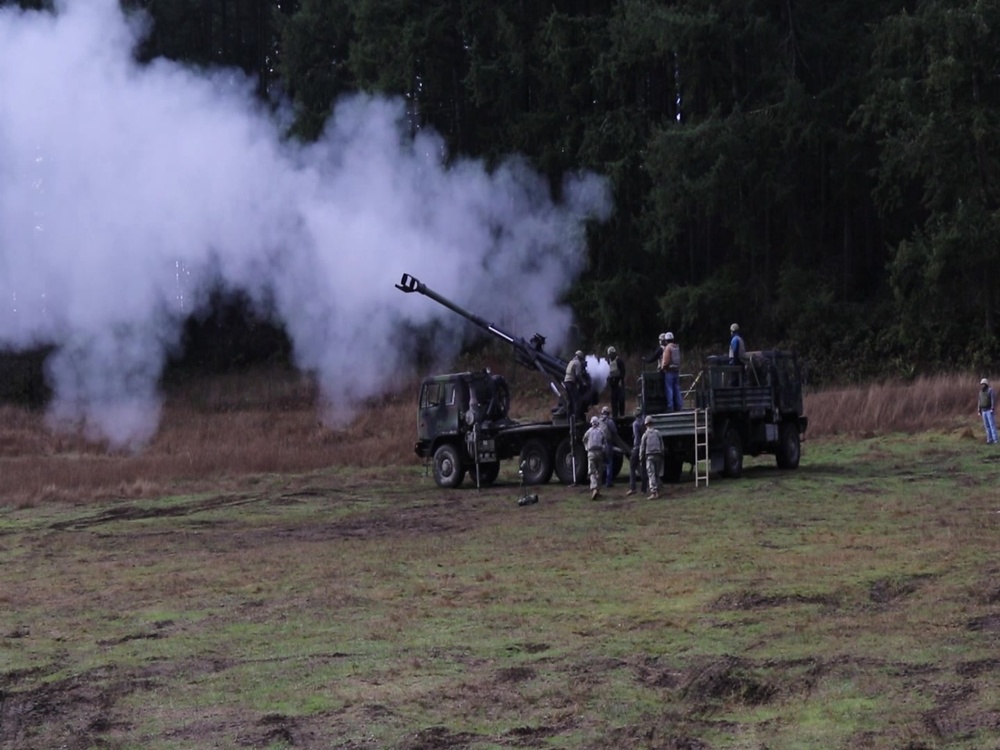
column 529, row 354
column 410, row 284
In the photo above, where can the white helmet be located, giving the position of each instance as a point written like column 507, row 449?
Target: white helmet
column 612, row 351
column 663, row 337
column 734, row 328
column 984, row 381
column 594, row 421
column 668, row 336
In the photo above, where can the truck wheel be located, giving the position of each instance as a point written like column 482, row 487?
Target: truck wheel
column 488, row 473
column 732, row 454
column 537, row 462
column 789, row 448
column 564, row 463
column 672, row 469
column 449, row 471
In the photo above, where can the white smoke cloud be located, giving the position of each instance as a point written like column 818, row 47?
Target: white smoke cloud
column 115, row 176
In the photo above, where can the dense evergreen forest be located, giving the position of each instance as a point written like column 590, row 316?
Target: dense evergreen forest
column 825, row 173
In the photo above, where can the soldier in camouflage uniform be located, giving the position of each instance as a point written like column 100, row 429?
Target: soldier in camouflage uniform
column 573, row 383
column 594, row 441
column 651, row 454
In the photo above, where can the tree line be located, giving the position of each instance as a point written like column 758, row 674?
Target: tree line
column 824, row 173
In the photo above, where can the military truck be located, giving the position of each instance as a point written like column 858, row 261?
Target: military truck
column 463, row 422
column 750, row 408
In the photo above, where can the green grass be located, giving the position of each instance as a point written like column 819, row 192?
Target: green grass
column 851, row 603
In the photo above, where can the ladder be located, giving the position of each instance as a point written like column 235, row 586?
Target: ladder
column 702, row 463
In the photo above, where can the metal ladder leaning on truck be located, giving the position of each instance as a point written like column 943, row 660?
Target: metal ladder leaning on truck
column 463, row 423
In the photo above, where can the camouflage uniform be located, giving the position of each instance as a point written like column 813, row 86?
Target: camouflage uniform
column 594, row 441
column 651, row 454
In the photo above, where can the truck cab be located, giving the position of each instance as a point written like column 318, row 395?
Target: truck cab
column 456, row 414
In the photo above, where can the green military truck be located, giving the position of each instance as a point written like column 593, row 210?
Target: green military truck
column 463, row 428
column 731, row 411
column 463, row 423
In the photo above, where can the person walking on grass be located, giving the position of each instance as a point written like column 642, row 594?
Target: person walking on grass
column 987, row 410
column 594, row 441
column 651, row 456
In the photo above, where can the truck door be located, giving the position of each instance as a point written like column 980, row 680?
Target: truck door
column 439, row 413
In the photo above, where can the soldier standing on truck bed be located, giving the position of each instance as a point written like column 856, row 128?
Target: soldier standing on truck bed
column 670, row 366
column 616, row 382
column 651, row 455
column 737, row 353
column 594, row 441
column 573, row 382
column 658, row 354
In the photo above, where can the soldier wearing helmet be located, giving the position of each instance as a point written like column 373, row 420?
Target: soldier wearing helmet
column 594, row 441
column 987, row 410
column 737, row 354
column 616, row 382
column 651, row 456
column 658, row 354
column 573, row 384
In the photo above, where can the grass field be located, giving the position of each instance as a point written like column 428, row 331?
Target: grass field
column 331, row 596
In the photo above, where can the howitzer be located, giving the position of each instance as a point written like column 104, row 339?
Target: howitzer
column 530, row 354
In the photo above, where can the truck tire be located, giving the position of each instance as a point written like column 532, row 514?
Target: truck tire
column 488, row 473
column 564, row 463
column 449, row 470
column 789, row 448
column 537, row 461
column 732, row 454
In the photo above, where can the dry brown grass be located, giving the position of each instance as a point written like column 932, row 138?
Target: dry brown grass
column 213, row 430
column 224, row 429
column 938, row 402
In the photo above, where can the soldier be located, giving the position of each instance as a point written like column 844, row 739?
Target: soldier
column 658, row 354
column 573, row 382
column 737, row 353
column 616, row 382
column 594, row 441
column 613, row 442
column 670, row 366
column 636, row 474
column 651, row 456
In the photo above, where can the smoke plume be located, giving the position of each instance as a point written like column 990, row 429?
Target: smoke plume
column 128, row 192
